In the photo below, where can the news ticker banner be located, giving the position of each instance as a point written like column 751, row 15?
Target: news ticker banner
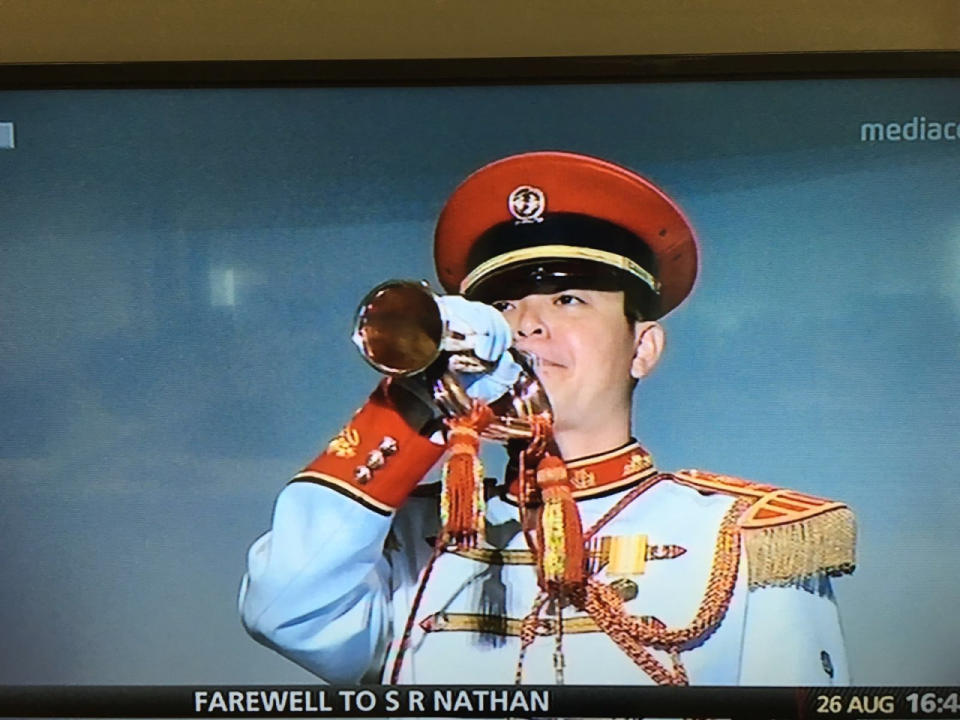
column 468, row 701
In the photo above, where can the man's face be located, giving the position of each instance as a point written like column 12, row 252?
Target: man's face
column 586, row 348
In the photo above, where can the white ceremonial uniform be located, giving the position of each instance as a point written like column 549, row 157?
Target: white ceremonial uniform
column 694, row 577
column 332, row 584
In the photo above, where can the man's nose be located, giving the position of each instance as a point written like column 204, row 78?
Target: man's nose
column 529, row 324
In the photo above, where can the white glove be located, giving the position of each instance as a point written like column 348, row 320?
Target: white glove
column 490, row 386
column 479, row 329
column 475, row 327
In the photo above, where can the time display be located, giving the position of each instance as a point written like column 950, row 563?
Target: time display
column 880, row 702
column 931, row 702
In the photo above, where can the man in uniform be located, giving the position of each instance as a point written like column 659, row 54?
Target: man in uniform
column 685, row 578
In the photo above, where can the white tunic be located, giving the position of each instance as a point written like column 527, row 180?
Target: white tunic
column 328, row 589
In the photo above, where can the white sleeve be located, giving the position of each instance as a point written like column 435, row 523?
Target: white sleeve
column 792, row 636
column 317, row 585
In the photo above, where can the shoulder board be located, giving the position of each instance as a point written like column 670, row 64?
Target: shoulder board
column 790, row 536
column 726, row 484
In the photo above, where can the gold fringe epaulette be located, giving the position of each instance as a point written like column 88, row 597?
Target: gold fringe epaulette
column 790, row 537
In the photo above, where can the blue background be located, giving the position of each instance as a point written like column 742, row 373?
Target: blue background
column 179, row 270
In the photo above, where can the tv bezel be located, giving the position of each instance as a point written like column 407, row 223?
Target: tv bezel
column 480, row 71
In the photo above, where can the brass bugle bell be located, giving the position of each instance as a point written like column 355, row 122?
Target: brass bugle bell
column 400, row 329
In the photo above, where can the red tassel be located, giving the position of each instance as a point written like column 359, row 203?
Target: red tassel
column 560, row 531
column 462, row 503
column 528, row 494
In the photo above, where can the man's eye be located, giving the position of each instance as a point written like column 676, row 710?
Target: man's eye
column 568, row 299
column 502, row 305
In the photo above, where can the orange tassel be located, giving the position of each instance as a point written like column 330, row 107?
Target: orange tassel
column 462, row 504
column 560, row 532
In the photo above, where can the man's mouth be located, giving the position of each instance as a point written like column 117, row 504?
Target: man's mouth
column 539, row 361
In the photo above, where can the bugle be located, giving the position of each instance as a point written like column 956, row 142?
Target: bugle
column 400, row 329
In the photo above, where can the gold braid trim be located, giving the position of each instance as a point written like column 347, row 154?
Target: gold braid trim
column 528, row 633
column 790, row 537
column 631, row 634
column 598, row 554
column 605, row 605
column 514, row 627
column 789, row 554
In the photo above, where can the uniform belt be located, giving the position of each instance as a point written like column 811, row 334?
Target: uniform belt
column 508, row 626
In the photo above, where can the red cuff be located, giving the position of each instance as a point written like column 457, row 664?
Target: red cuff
column 377, row 459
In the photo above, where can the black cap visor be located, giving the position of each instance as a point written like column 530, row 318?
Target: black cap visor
column 546, row 276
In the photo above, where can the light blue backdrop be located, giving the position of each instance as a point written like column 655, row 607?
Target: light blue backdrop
column 179, row 269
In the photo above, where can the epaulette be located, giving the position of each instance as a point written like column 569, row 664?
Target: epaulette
column 790, row 537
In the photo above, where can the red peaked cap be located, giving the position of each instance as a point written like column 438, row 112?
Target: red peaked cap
column 511, row 196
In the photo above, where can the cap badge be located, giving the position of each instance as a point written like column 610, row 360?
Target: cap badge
column 527, row 204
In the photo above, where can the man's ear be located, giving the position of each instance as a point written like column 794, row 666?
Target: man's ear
column 649, row 340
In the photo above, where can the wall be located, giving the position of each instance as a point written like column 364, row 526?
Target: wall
column 135, row 30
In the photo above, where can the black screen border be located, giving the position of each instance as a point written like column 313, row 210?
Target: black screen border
column 479, row 71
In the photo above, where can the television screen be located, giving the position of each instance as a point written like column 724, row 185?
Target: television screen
column 181, row 270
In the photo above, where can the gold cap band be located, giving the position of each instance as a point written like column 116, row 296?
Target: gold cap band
column 564, row 252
